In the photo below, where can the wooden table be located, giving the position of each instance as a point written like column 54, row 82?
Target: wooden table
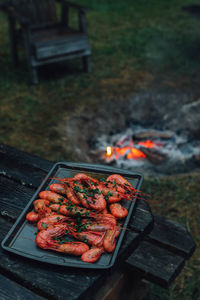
column 155, row 248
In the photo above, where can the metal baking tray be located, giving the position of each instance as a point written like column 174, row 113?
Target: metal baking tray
column 21, row 238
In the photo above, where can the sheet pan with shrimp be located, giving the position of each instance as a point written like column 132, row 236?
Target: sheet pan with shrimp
column 78, row 215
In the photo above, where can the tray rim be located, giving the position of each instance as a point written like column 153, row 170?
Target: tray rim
column 74, row 165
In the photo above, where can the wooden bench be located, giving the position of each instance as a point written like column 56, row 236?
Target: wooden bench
column 157, row 255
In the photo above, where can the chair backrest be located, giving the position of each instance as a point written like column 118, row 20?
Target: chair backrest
column 37, row 11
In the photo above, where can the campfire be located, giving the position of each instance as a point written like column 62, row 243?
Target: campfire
column 135, row 150
column 150, row 132
column 144, row 148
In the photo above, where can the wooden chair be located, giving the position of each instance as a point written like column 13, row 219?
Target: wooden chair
column 46, row 37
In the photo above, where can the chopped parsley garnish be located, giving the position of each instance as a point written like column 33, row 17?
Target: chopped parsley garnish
column 87, row 214
column 96, row 191
column 78, row 220
column 88, row 192
column 77, row 214
column 44, row 225
column 64, row 240
column 69, row 207
column 78, row 189
column 107, row 196
column 127, row 192
column 102, row 179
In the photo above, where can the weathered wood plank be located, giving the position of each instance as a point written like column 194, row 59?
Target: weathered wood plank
column 157, row 265
column 23, row 158
column 14, row 197
column 60, row 47
column 173, row 236
column 162, row 255
column 22, row 167
column 10, row 290
column 122, row 285
column 142, row 220
column 61, row 58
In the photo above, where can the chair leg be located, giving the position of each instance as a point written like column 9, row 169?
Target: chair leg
column 33, row 75
column 87, row 64
column 32, row 69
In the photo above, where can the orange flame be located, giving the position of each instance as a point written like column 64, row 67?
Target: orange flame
column 130, row 151
column 135, row 153
column 147, row 144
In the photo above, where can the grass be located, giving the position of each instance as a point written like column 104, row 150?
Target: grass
column 134, row 43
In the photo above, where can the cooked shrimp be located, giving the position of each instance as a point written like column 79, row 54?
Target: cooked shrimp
column 46, row 222
column 32, row 216
column 52, row 196
column 87, row 191
column 92, row 255
column 118, row 210
column 91, row 238
column 40, row 203
column 109, row 240
column 100, row 227
column 45, row 239
column 57, row 188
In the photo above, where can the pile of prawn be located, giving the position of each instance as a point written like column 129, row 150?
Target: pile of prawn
column 84, row 208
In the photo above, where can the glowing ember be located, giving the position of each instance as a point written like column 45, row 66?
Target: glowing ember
column 135, row 153
column 129, row 151
column 147, row 144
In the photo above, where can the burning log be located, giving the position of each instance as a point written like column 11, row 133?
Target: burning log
column 142, row 135
column 153, row 155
